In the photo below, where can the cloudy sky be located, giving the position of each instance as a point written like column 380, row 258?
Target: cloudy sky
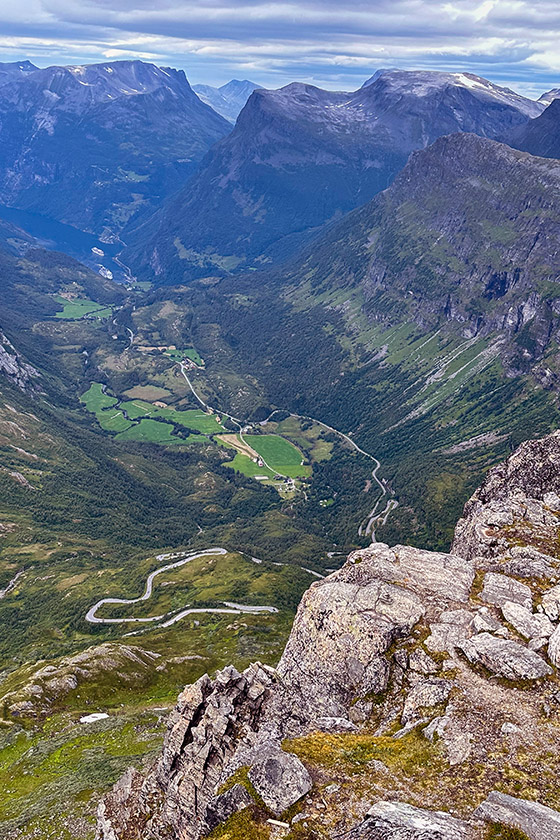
column 332, row 43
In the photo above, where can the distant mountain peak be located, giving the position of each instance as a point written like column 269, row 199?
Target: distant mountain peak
column 301, row 156
column 10, row 70
column 426, row 82
column 229, row 99
column 550, row 96
column 92, row 144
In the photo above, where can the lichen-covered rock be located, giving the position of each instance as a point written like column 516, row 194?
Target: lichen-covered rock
column 279, row 778
column 400, row 821
column 226, row 804
column 515, row 501
column 425, row 695
column 118, row 813
column 499, row 589
column 554, row 647
column 484, row 620
column 528, row 624
column 551, row 603
column 537, row 821
column 505, row 657
column 527, row 562
column 421, row 662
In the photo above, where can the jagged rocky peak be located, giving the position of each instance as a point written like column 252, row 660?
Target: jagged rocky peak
column 14, row 368
column 413, row 683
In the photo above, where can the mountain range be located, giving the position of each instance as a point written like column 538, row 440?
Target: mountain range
column 340, row 314
column 95, row 145
column 229, row 99
column 300, row 157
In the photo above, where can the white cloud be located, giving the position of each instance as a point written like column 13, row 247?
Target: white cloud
column 511, row 41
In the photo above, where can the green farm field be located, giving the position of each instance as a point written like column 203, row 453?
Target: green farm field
column 113, row 420
column 187, row 353
column 279, row 454
column 244, row 464
column 79, row 307
column 206, row 424
column 95, row 400
column 150, row 431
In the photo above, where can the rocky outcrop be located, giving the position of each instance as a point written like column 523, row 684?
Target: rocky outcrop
column 14, row 368
column 519, row 502
column 399, row 647
column 36, row 690
column 213, row 719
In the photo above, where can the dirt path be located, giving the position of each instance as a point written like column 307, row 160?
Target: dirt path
column 241, row 446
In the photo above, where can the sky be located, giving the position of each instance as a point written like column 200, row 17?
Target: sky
column 335, row 44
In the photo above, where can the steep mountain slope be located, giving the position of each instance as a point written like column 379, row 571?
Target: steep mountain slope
column 229, row 99
column 467, row 235
column 423, row 684
column 301, row 156
column 540, row 136
column 93, row 145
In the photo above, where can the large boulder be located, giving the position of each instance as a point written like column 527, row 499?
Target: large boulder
column 400, row 821
column 529, row 625
column 537, row 821
column 279, row 778
column 505, row 658
column 346, row 623
column 498, row 589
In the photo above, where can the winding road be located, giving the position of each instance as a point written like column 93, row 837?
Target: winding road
column 184, row 557
column 373, row 518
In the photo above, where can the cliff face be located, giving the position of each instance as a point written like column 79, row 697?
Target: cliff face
column 413, row 684
column 13, row 367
